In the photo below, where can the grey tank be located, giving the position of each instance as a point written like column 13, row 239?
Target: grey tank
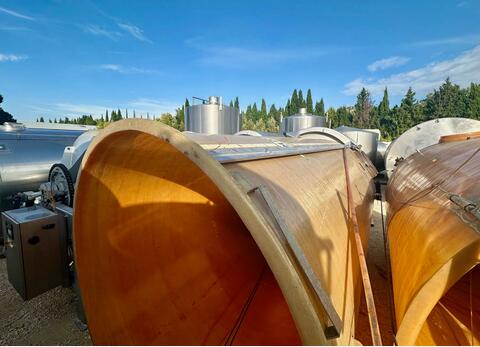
column 301, row 120
column 367, row 139
column 26, row 156
column 212, row 118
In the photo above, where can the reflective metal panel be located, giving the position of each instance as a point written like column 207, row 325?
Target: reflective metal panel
column 212, row 118
column 367, row 139
column 301, row 120
column 426, row 134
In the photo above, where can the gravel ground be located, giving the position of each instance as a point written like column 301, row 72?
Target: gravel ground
column 49, row 319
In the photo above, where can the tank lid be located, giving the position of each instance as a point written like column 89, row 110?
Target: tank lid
column 302, row 111
column 213, row 100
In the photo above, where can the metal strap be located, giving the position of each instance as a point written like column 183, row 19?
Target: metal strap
column 367, row 286
column 333, row 331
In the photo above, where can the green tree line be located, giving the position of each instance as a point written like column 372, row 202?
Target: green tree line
column 449, row 100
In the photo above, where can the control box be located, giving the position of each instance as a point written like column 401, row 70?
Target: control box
column 36, row 250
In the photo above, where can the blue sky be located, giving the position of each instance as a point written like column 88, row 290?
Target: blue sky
column 66, row 58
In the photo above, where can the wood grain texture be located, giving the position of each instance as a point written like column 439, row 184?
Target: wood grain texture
column 433, row 242
column 172, row 249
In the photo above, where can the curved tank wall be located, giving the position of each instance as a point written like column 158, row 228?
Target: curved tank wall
column 27, row 155
column 366, row 138
column 301, row 120
column 212, row 118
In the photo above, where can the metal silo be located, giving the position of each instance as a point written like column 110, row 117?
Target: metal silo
column 212, row 117
column 301, row 120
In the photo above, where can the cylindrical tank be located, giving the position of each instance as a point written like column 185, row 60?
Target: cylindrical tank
column 208, row 244
column 367, row 139
column 27, row 155
column 301, row 120
column 423, row 135
column 434, row 239
column 212, row 117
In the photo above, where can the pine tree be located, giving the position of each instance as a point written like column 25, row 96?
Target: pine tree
column 407, row 114
column 288, row 108
column 49, row 120
column 4, row 115
column 448, row 101
column 119, row 115
column 236, row 104
column 55, row 120
column 362, row 109
column 473, row 101
column 309, row 101
column 42, row 120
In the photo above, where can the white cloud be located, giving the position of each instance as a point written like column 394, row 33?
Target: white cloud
column 462, row 70
column 455, row 40
column 15, row 14
column 127, row 69
column 99, row 31
column 12, row 57
column 386, row 63
column 135, row 31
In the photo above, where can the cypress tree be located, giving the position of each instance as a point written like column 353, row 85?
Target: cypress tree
column 309, row 101
column 301, row 100
column 294, row 103
column 106, row 115
column 263, row 110
column 320, row 108
column 236, row 103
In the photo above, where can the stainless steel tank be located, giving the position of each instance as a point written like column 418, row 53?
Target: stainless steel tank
column 212, row 117
column 27, row 154
column 425, row 134
column 367, row 139
column 301, row 120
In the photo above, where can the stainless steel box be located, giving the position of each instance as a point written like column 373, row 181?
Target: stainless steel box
column 35, row 240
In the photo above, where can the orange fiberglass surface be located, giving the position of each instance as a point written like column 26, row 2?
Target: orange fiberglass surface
column 433, row 228
column 195, row 239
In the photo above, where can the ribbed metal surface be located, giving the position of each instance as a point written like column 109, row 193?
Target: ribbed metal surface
column 301, row 120
column 212, row 118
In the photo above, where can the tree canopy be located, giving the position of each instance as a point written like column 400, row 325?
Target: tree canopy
column 4, row 115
